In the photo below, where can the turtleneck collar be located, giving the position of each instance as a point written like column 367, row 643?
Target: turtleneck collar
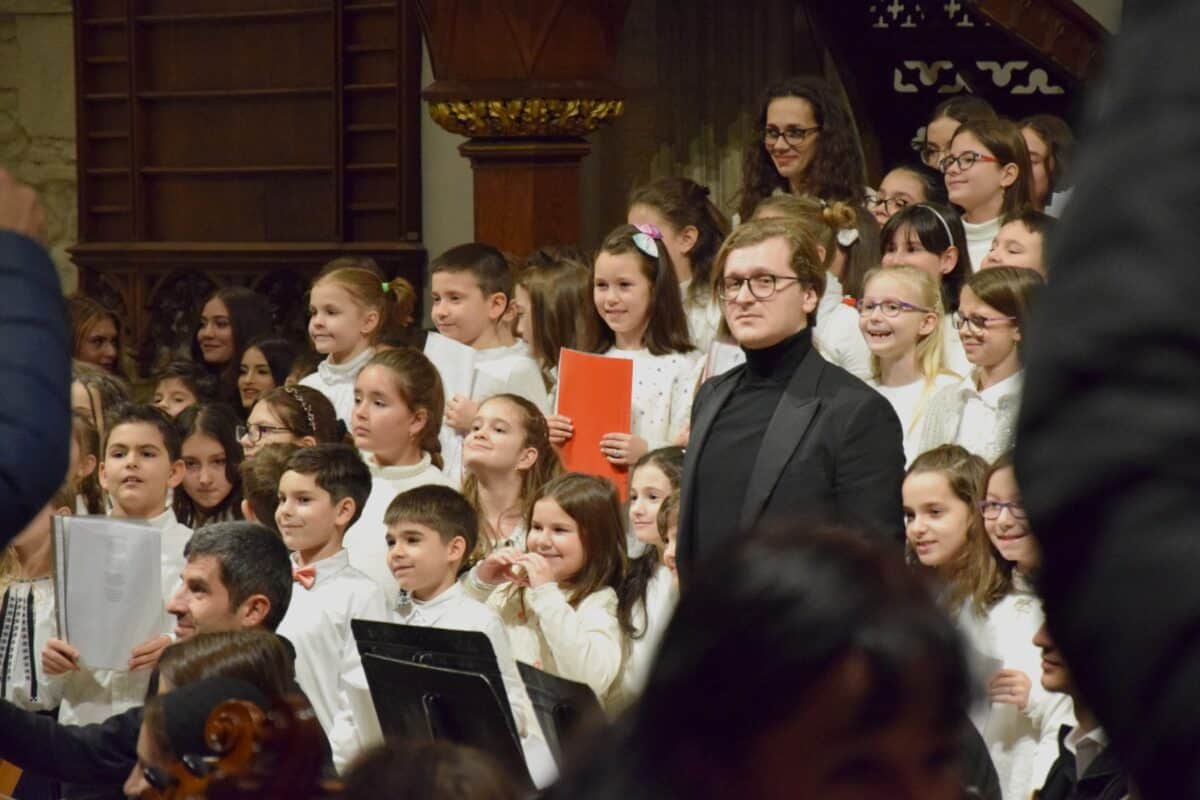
column 779, row 361
column 398, row 472
column 347, row 371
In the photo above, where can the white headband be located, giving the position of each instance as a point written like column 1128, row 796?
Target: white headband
column 941, row 219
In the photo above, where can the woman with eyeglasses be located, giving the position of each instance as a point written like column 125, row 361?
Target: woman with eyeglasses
column 988, row 176
column 297, row 414
column 1022, row 720
column 900, row 316
column 980, row 411
column 806, row 145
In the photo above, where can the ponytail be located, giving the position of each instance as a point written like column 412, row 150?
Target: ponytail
column 395, row 300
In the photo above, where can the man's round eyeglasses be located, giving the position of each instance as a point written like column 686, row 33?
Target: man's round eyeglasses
column 762, row 287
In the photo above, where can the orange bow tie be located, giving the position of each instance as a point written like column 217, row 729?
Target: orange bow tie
column 305, row 576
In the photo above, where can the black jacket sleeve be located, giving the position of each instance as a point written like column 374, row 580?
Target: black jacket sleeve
column 35, row 373
column 870, row 469
column 1108, row 451
column 100, row 754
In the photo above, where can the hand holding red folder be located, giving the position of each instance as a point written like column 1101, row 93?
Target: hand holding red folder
column 595, row 393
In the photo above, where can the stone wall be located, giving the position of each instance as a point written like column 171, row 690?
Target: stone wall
column 37, row 113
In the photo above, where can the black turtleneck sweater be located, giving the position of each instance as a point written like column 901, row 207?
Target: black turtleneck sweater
column 731, row 448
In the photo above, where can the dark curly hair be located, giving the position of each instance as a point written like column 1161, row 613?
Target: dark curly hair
column 837, row 171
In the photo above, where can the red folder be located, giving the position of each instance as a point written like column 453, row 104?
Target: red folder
column 596, row 393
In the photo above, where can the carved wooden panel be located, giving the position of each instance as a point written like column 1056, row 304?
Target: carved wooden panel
column 223, row 141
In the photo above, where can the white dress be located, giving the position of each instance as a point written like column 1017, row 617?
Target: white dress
column 910, row 402
column 317, row 623
column 27, row 620
column 1023, row 744
column 94, row 695
column 663, row 389
column 662, row 595
column 365, row 540
column 336, row 381
column 583, row 644
column 356, row 726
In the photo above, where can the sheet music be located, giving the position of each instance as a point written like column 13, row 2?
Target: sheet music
column 108, row 586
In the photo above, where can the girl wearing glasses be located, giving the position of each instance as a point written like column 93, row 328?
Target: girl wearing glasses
column 290, row 414
column 980, row 411
column 807, row 146
column 1022, row 723
column 944, row 121
column 988, row 176
column 900, row 316
column 904, row 186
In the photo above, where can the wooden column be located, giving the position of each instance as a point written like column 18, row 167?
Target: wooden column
column 526, row 82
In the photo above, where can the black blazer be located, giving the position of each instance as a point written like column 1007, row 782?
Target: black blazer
column 833, row 452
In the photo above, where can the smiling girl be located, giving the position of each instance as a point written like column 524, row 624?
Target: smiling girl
column 900, row 316
column 558, row 599
column 351, row 307
column 980, row 412
column 636, row 297
column 212, row 483
column 265, row 365
column 508, row 459
column 228, row 320
column 988, row 176
column 398, row 403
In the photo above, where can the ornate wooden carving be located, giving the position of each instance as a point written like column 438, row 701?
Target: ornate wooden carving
column 293, row 141
column 1059, row 30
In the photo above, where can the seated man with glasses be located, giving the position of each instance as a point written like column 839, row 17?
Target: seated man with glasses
column 787, row 435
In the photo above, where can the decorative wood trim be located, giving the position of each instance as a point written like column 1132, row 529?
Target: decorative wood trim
column 1057, row 29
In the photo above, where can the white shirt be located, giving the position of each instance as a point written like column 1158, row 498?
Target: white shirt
column 1023, row 744
column 336, row 381
column 356, row 725
column 703, row 318
column 1085, row 748
column 663, row 388
column 909, row 402
column 979, row 431
column 662, row 595
column 94, row 695
column 838, row 338
column 979, row 239
column 498, row 370
column 583, row 644
column 24, row 682
column 317, row 623
column 365, row 540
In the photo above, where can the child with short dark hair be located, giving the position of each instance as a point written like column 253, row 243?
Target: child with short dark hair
column 260, row 482
column 431, row 532
column 473, row 289
column 321, row 494
column 141, row 465
column 183, row 384
column 1021, row 242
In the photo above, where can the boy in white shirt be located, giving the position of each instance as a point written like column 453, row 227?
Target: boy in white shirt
column 472, row 291
column 141, row 463
column 431, row 530
column 321, row 494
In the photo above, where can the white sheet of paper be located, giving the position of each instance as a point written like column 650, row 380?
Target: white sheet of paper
column 455, row 362
column 109, row 587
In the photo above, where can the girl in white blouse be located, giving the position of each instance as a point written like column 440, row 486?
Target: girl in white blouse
column 398, row 404
column 636, row 296
column 508, row 459
column 692, row 231
column 980, row 411
column 900, row 316
column 558, row 599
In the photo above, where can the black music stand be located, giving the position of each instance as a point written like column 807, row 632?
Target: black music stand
column 563, row 707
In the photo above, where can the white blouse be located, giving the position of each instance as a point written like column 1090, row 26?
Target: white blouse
column 336, row 381
column 365, row 540
column 27, row 620
column 663, row 389
column 909, row 402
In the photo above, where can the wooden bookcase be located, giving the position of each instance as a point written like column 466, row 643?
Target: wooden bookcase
column 242, row 142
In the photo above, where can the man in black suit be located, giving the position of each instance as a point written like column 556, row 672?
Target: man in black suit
column 786, row 435
column 238, row 575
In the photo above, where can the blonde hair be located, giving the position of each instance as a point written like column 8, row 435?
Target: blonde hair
column 394, row 300
column 931, row 357
column 819, row 219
